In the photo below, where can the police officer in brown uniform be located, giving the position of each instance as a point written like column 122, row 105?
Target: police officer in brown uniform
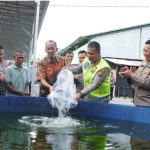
column 140, row 78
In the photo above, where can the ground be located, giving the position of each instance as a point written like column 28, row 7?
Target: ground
column 122, row 100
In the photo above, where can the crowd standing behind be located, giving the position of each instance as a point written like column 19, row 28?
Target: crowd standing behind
column 93, row 71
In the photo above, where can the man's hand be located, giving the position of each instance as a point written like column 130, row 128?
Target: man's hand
column 25, row 94
column 50, row 88
column 77, row 96
column 123, row 69
column 126, row 72
column 133, row 69
column 2, row 76
column 77, row 76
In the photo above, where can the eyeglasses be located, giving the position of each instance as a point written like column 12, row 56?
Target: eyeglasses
column 146, row 51
column 51, row 48
column 20, row 57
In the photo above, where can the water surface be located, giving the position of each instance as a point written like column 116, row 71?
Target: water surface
column 24, row 132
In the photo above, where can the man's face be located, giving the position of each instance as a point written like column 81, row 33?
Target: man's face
column 92, row 54
column 146, row 52
column 1, row 55
column 50, row 49
column 19, row 59
column 81, row 57
column 69, row 57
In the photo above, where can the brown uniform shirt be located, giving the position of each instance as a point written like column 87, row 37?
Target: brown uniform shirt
column 141, row 81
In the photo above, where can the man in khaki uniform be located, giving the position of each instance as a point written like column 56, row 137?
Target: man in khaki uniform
column 140, row 78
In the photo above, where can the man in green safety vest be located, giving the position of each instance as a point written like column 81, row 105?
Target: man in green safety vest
column 95, row 75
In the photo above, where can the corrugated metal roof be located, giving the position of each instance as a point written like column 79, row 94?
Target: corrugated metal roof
column 73, row 46
column 16, row 25
column 125, row 62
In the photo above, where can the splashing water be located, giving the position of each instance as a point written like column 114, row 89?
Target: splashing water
column 61, row 98
column 46, row 122
column 59, row 132
column 62, row 95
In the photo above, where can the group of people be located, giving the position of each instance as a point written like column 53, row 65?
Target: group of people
column 13, row 77
column 91, row 75
column 92, row 72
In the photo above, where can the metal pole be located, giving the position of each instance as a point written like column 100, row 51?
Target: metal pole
column 36, row 24
column 36, row 29
column 140, row 43
column 31, row 45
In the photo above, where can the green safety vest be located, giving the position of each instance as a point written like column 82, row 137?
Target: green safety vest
column 89, row 73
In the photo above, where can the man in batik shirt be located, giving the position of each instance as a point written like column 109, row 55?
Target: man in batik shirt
column 49, row 68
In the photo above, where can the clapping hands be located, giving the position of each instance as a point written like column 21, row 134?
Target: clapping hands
column 127, row 72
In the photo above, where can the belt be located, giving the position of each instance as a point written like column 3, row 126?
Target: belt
column 99, row 99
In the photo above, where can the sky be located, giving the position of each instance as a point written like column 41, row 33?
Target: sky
column 66, row 20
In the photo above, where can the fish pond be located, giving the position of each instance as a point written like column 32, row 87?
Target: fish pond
column 43, row 132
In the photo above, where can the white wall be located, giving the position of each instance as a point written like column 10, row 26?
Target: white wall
column 124, row 44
